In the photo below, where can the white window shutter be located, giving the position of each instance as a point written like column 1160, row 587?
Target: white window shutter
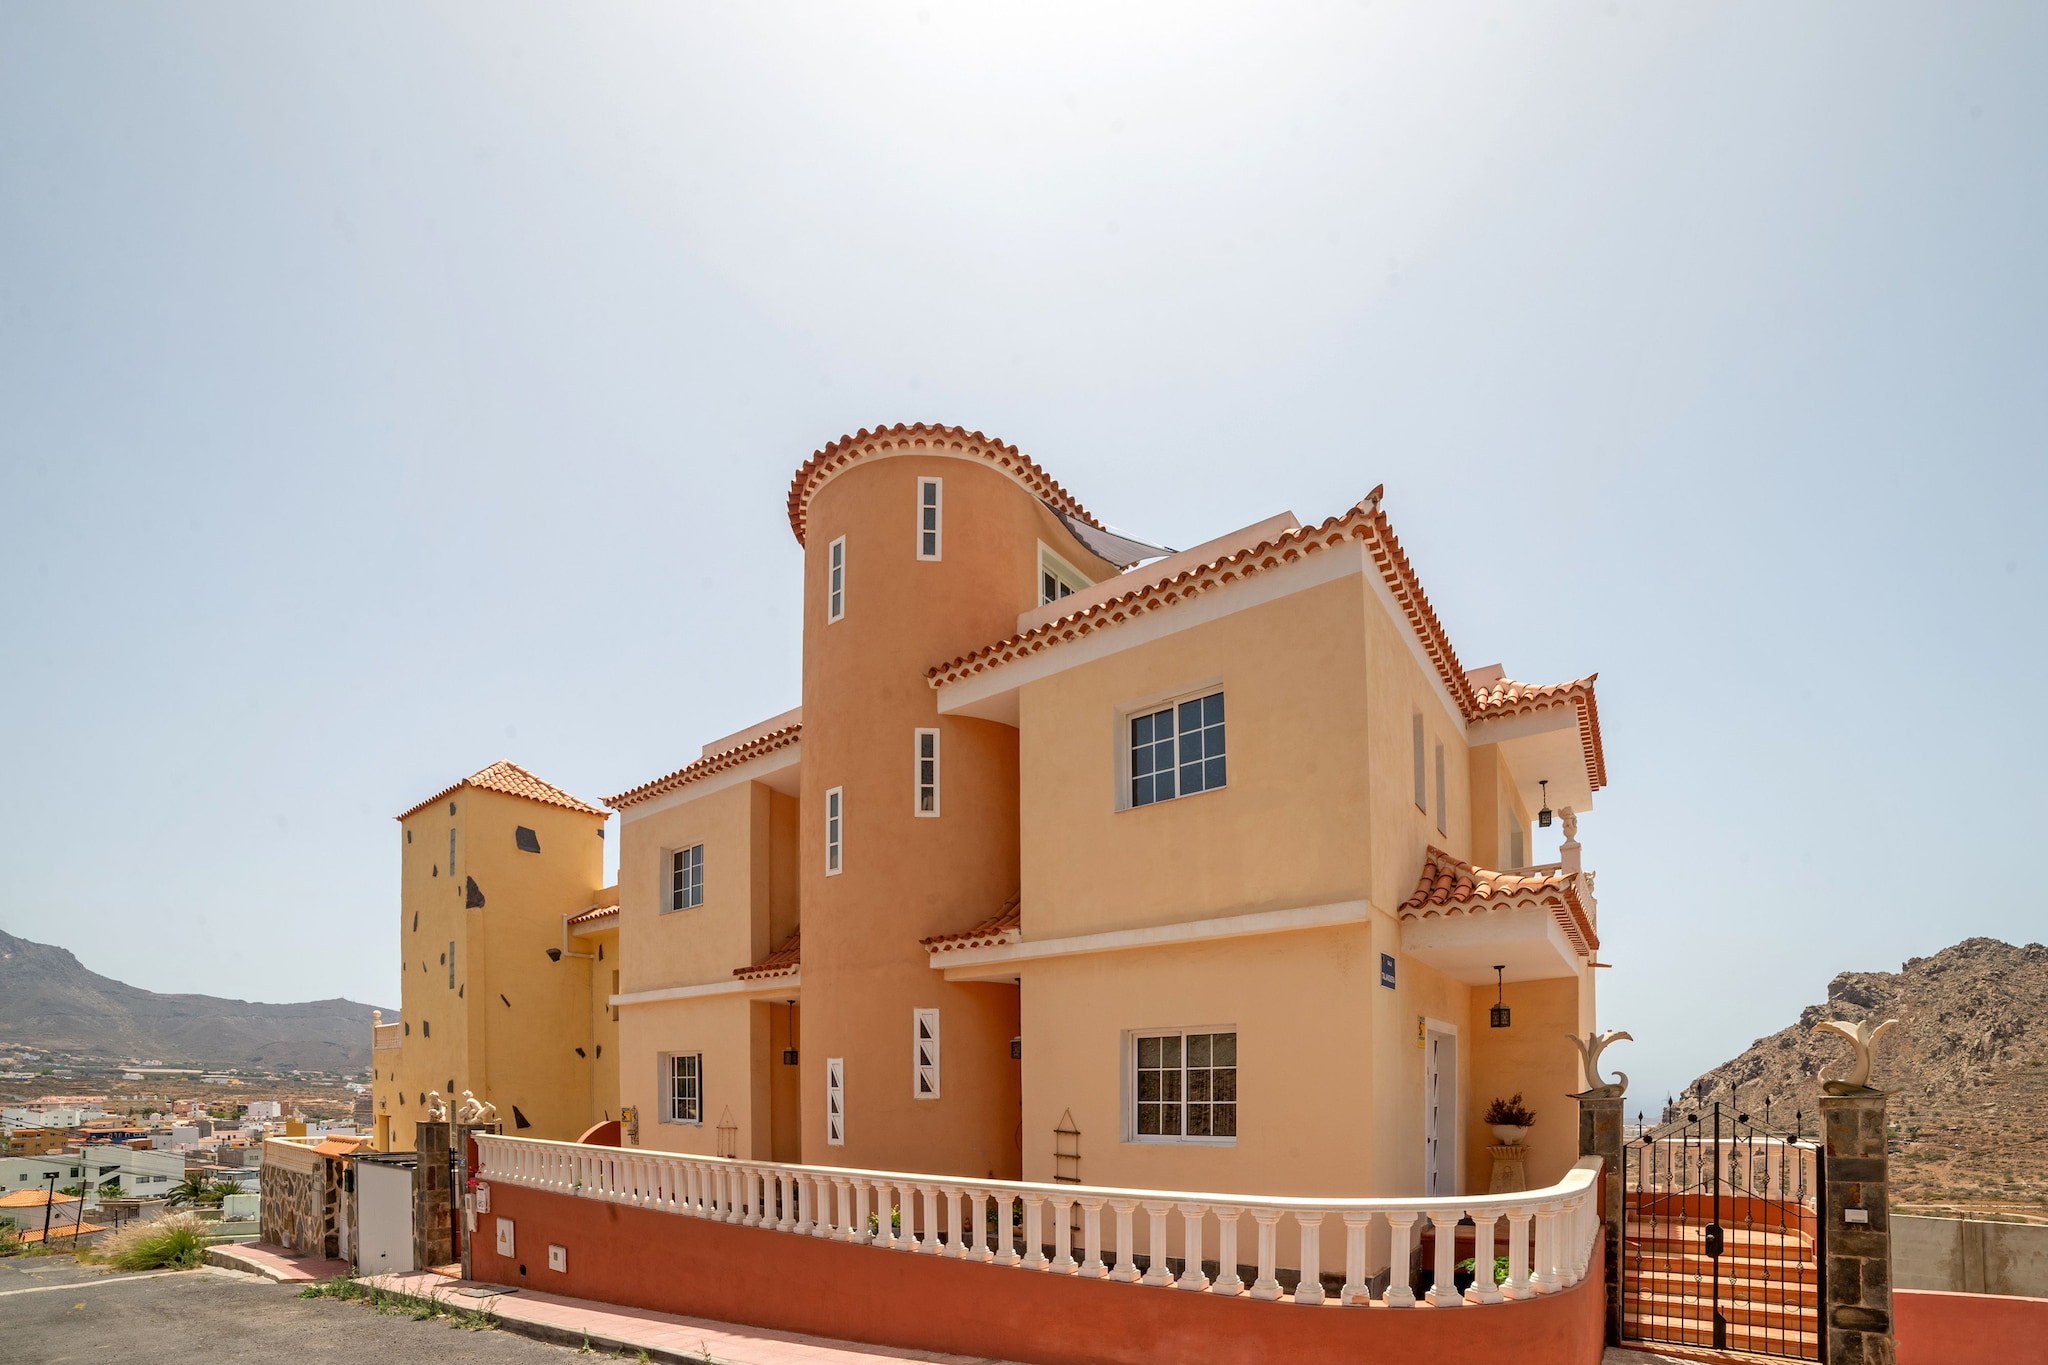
column 925, row 1047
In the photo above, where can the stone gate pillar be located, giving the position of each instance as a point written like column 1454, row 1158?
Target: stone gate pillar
column 1600, row 1134
column 433, row 1213
column 1856, row 1207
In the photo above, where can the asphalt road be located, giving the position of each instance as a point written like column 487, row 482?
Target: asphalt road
column 53, row 1309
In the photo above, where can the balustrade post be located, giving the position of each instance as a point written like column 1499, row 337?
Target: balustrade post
column 1484, row 1289
column 1267, row 1286
column 784, row 1203
column 980, row 1244
column 1227, row 1282
column 1126, row 1259
column 952, row 1250
column 857, row 1230
column 1008, row 1255
column 1517, row 1286
column 1444, row 1292
column 930, row 1244
column 754, row 1195
column 1400, row 1293
column 1191, row 1276
column 1357, row 1291
column 1034, row 1248
column 1543, row 1279
column 1309, row 1288
column 1091, row 1238
column 1063, row 1236
column 1156, row 1271
column 903, row 1236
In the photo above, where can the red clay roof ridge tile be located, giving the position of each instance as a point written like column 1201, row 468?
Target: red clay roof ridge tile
column 847, row 450
column 784, row 961
column 508, row 779
column 1449, row 885
column 743, row 752
column 1004, row 926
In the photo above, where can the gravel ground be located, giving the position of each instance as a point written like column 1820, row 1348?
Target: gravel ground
column 53, row 1309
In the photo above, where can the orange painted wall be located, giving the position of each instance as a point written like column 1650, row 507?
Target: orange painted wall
column 1934, row 1328
column 905, row 877
column 668, row 1263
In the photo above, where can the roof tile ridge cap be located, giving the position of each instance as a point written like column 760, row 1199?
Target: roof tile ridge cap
column 704, row 763
column 1143, row 592
column 850, row 446
column 1451, row 667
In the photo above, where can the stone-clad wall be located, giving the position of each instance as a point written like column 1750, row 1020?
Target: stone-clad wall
column 301, row 1201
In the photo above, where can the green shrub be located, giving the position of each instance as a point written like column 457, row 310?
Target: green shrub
column 174, row 1243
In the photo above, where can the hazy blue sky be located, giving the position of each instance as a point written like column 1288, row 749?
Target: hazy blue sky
column 386, row 390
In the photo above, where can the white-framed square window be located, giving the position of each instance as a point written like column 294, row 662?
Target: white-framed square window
column 924, row 1049
column 835, row 1101
column 686, row 877
column 835, row 579
column 1182, row 1085
column 931, row 495
column 925, row 772
column 1176, row 750
column 835, row 814
column 1056, row 577
column 681, row 1078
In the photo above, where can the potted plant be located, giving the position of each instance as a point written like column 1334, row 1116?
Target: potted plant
column 1509, row 1120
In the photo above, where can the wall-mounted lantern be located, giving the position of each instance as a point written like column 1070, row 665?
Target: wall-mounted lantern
column 789, row 1053
column 1017, row 1048
column 1498, row 1015
column 1543, row 816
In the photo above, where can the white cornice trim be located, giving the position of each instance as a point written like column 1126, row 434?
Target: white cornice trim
column 772, row 987
column 977, row 963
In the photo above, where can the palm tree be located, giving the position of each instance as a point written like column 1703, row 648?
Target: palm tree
column 193, row 1189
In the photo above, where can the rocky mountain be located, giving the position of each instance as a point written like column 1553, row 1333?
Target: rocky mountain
column 49, row 1000
column 1967, row 1067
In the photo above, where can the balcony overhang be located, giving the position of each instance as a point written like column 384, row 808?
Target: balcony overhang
column 1526, row 939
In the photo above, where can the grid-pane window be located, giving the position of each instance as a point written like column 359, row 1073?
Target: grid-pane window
column 1056, row 578
column 682, row 1087
column 1185, row 1086
column 926, row 761
column 1177, row 750
column 832, row 826
column 835, row 580
column 686, row 878
column 928, row 495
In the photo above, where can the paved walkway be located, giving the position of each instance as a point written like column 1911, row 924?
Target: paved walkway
column 277, row 1263
column 663, row 1336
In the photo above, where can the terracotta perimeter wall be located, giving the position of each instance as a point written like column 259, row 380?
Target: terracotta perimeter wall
column 1934, row 1328
column 661, row 1261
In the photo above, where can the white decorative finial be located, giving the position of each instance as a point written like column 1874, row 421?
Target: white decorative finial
column 1862, row 1037
column 376, row 1018
column 1590, row 1047
column 1571, row 829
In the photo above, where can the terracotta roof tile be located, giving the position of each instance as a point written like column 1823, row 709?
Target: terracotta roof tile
column 784, row 961
column 1452, row 886
column 1506, row 697
column 922, row 436
column 34, row 1199
column 596, row 913
column 511, row 780
column 709, row 764
column 1004, row 926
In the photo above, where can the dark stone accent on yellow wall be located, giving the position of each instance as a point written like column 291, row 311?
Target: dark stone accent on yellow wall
column 526, row 839
column 476, row 895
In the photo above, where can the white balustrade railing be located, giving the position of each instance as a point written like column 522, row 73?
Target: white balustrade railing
column 1015, row 1223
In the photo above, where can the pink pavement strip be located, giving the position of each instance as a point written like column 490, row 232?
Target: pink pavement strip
column 609, row 1328
column 274, row 1262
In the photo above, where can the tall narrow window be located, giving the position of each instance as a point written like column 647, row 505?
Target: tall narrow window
column 686, row 878
column 835, row 1101
column 1177, row 750
column 926, row 760
column 835, row 580
column 833, row 815
column 451, row 964
column 1439, row 789
column 1421, row 774
column 451, row 852
column 929, row 495
column 925, row 1054
column 682, row 1087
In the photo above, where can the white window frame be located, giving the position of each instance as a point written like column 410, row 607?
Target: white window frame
column 1130, row 1072
column 1167, row 701
column 835, row 1089
column 918, row 785
column 835, row 830
column 666, row 1079
column 924, row 1054
column 835, row 580
column 1050, row 565
column 937, row 507
column 670, row 877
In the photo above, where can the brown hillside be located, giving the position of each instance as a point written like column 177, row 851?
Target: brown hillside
column 1967, row 1065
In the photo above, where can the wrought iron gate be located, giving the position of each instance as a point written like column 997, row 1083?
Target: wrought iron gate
column 1723, row 1240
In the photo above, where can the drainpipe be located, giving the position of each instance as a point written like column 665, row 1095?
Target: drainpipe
column 557, row 954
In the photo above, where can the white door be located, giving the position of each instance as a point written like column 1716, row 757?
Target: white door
column 1439, row 1113
column 384, row 1218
